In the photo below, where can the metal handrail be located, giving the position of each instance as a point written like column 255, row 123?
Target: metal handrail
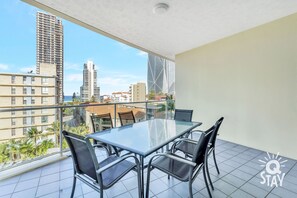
column 80, row 105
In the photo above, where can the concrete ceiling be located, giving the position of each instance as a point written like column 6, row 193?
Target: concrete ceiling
column 186, row 25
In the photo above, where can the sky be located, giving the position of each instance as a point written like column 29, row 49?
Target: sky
column 117, row 64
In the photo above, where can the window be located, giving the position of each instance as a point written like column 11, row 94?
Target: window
column 12, row 79
column 32, row 112
column 44, row 111
column 12, row 132
column 32, row 91
column 24, row 78
column 24, row 112
column 24, row 90
column 44, row 90
column 12, row 90
column 32, row 101
column 44, row 119
column 33, row 78
column 24, row 101
column 13, row 100
column 32, row 120
column 25, row 131
column 44, row 100
column 13, row 121
column 24, row 121
column 44, row 81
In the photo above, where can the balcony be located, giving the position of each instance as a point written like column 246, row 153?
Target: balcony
column 239, row 177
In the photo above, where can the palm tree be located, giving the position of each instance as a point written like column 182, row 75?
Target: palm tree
column 55, row 129
column 13, row 149
column 82, row 129
column 33, row 133
column 27, row 149
column 43, row 147
column 4, row 155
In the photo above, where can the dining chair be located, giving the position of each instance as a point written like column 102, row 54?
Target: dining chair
column 183, row 115
column 98, row 175
column 187, row 146
column 182, row 168
column 102, row 122
column 126, row 118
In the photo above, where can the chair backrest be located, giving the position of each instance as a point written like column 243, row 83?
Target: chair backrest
column 183, row 115
column 84, row 158
column 215, row 133
column 126, row 118
column 101, row 122
column 202, row 146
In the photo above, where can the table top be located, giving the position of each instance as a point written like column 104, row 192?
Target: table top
column 145, row 137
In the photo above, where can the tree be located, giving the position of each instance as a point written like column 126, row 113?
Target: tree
column 74, row 97
column 93, row 99
column 33, row 133
column 55, row 129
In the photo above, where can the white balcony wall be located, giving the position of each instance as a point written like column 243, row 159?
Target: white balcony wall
column 250, row 79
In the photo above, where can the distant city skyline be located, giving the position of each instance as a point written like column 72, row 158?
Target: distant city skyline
column 118, row 65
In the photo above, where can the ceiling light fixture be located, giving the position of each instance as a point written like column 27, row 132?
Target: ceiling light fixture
column 160, row 8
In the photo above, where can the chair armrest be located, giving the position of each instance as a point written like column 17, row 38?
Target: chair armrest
column 175, row 157
column 100, row 170
column 197, row 131
column 180, row 141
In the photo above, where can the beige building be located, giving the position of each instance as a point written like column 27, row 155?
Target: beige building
column 49, row 48
column 137, row 92
column 21, row 91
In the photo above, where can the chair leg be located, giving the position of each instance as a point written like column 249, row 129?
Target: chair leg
column 73, row 186
column 206, row 183
column 190, row 189
column 148, row 182
column 139, row 181
column 101, row 192
column 208, row 175
column 215, row 161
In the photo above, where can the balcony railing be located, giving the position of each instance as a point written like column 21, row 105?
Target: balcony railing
column 41, row 136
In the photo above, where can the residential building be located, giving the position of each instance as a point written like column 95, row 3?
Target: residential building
column 160, row 75
column 137, row 92
column 49, row 49
column 89, row 88
column 120, row 96
column 21, row 91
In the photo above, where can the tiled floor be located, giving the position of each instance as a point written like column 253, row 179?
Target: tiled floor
column 240, row 177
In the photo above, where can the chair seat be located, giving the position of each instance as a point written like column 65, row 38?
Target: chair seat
column 173, row 167
column 116, row 172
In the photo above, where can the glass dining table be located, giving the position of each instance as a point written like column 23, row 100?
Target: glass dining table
column 144, row 138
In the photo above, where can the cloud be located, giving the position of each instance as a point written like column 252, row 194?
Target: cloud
column 3, row 66
column 142, row 53
column 28, row 69
column 74, row 77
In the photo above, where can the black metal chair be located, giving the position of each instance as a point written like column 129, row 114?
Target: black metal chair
column 183, row 115
column 181, row 168
column 97, row 175
column 187, row 146
column 100, row 123
column 126, row 118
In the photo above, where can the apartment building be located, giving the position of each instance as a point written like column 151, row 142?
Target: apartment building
column 21, row 91
column 137, row 92
column 49, row 47
column 89, row 88
column 120, row 96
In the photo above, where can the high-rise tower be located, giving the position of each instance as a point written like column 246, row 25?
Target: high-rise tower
column 89, row 88
column 160, row 75
column 49, row 49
